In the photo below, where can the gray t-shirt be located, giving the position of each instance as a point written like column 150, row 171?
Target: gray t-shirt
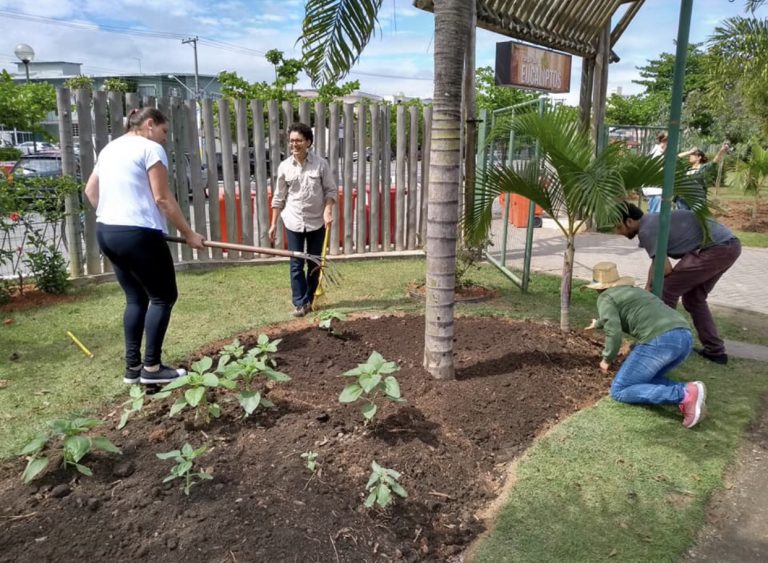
column 685, row 233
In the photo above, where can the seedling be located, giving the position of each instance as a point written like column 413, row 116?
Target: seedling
column 265, row 348
column 197, row 383
column 230, row 351
column 246, row 370
column 185, row 463
column 372, row 383
column 132, row 405
column 327, row 319
column 74, row 447
column 381, row 484
column 310, row 462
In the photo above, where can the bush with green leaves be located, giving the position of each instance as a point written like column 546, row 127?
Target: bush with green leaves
column 328, row 318
column 371, row 385
column 132, row 405
column 381, row 484
column 186, row 462
column 195, row 386
column 74, row 447
column 47, row 264
column 310, row 460
column 246, row 370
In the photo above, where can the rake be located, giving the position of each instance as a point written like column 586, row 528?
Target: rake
column 327, row 269
column 321, row 283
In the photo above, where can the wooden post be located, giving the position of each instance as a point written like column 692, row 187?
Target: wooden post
column 180, row 166
column 426, row 147
column 360, row 202
column 400, row 179
column 260, row 159
column 585, row 93
column 85, row 124
column 195, row 171
column 68, row 166
column 101, row 138
column 214, row 223
column 116, row 126
column 287, row 122
column 413, row 166
column 375, row 177
column 274, row 162
column 599, row 95
column 320, row 131
column 244, row 173
column 333, row 161
column 348, row 149
column 386, row 180
column 225, row 134
column 304, row 111
column 131, row 102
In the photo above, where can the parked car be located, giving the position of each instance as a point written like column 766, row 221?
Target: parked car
column 31, row 147
column 203, row 175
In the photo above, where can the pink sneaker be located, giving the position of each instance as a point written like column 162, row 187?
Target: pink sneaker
column 693, row 406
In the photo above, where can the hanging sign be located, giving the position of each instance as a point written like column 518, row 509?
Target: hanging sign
column 533, row 68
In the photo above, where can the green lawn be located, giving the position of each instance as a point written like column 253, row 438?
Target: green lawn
column 612, row 482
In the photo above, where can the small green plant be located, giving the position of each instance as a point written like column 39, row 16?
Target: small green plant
column 310, row 460
column 231, row 351
column 381, row 484
column 372, row 383
column 74, row 446
column 47, row 265
column 185, row 459
column 132, row 405
column 245, row 371
column 265, row 348
column 326, row 321
column 196, row 384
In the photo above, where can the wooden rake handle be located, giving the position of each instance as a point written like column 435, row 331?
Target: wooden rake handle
column 254, row 249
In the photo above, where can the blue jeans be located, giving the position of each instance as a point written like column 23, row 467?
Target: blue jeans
column 640, row 378
column 304, row 284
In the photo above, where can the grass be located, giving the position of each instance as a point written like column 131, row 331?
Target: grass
column 612, row 482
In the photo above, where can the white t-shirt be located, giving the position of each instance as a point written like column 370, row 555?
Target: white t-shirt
column 125, row 196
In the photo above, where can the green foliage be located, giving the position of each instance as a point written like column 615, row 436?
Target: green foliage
column 132, row 405
column 9, row 153
column 381, row 484
column 79, row 82
column 751, row 175
column 120, row 85
column 74, row 446
column 633, row 110
column 264, row 349
column 186, row 461
column 24, row 106
column 326, row 320
column 310, row 460
column 371, row 385
column 195, row 387
column 489, row 96
column 47, row 265
column 331, row 92
column 334, row 34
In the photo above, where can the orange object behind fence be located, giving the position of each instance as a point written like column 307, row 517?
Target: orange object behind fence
column 518, row 209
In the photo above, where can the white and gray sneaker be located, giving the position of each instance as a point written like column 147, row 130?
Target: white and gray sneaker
column 161, row 376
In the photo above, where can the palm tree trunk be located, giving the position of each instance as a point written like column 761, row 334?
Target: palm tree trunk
column 565, row 283
column 452, row 21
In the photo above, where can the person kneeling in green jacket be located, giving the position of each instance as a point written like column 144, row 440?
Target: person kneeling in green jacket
column 663, row 338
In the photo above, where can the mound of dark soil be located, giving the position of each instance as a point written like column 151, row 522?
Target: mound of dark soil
column 452, row 442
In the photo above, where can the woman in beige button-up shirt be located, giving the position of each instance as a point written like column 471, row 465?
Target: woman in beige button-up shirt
column 304, row 197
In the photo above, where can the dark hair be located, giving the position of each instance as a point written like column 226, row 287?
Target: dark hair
column 630, row 211
column 701, row 155
column 137, row 116
column 304, row 130
column 662, row 137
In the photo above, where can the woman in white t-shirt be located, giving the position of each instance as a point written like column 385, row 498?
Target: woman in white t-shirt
column 129, row 190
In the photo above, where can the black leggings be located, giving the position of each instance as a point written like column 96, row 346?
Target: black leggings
column 144, row 269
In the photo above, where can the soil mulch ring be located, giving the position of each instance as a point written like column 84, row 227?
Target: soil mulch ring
column 452, row 442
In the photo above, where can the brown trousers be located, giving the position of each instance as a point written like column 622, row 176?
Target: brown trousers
column 692, row 278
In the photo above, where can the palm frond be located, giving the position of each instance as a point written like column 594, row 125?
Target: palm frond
column 753, row 5
column 334, row 34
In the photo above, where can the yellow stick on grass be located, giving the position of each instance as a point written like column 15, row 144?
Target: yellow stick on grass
column 80, row 345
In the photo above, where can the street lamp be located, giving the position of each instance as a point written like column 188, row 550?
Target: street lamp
column 187, row 88
column 25, row 54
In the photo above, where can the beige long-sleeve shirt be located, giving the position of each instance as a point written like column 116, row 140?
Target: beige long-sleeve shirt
column 302, row 191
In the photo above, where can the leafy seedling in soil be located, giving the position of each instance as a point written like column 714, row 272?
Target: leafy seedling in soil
column 74, row 446
column 310, row 460
column 372, row 384
column 246, row 371
column 265, row 348
column 235, row 351
column 196, row 385
column 185, row 459
column 381, row 484
column 326, row 322
column 132, row 405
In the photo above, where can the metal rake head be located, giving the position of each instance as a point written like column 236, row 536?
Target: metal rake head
column 329, row 274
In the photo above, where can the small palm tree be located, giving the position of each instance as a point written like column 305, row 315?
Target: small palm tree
column 571, row 184
column 751, row 176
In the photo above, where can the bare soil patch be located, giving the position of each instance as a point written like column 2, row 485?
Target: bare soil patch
column 33, row 298
column 737, row 216
column 452, row 443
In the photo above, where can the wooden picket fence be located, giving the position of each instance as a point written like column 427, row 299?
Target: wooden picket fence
column 390, row 217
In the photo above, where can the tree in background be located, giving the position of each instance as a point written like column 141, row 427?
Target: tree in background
column 751, row 176
column 24, row 106
column 490, row 96
column 79, row 82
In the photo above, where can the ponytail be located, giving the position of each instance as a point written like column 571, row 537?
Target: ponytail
column 137, row 116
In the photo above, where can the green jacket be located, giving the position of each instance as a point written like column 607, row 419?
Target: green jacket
column 636, row 312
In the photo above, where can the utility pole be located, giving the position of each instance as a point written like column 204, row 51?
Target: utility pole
column 194, row 40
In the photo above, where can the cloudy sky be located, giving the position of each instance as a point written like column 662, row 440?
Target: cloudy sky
column 125, row 36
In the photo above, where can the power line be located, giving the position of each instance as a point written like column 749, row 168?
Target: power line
column 129, row 31
column 397, row 76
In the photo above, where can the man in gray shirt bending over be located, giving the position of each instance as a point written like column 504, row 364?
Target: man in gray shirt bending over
column 701, row 264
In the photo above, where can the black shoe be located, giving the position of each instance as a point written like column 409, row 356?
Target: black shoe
column 721, row 359
column 132, row 375
column 161, row 376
